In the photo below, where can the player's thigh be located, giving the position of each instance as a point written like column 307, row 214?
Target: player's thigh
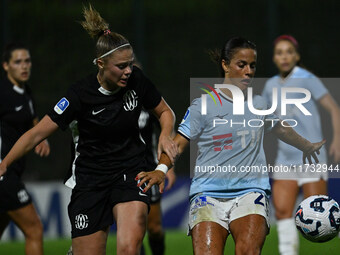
column 91, row 244
column 27, row 219
column 89, row 211
column 284, row 193
column 249, row 233
column 208, row 237
column 131, row 220
column 318, row 187
column 154, row 223
column 4, row 221
column 13, row 193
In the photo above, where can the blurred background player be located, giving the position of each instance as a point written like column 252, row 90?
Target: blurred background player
column 286, row 187
column 234, row 202
column 109, row 152
column 150, row 128
column 17, row 115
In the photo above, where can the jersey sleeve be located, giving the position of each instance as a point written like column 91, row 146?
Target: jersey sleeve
column 64, row 112
column 316, row 87
column 191, row 125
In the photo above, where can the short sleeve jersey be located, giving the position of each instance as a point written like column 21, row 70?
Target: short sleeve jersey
column 229, row 145
column 16, row 117
column 309, row 126
column 109, row 142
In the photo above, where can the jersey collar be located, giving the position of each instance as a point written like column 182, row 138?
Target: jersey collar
column 224, row 95
column 291, row 74
column 107, row 92
column 19, row 90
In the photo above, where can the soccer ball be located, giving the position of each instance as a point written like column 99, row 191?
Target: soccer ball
column 318, row 218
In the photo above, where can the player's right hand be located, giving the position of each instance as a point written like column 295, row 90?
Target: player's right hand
column 311, row 150
column 153, row 177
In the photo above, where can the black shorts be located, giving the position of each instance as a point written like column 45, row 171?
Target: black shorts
column 155, row 195
column 91, row 210
column 13, row 193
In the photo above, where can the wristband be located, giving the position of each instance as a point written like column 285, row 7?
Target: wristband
column 163, row 168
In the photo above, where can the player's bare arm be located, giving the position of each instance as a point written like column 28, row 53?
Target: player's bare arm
column 43, row 148
column 288, row 135
column 158, row 176
column 167, row 121
column 28, row 141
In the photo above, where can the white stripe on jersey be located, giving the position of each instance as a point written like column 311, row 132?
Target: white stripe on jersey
column 71, row 182
column 141, row 138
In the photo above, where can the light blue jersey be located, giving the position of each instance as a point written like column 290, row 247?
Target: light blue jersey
column 228, row 146
column 307, row 126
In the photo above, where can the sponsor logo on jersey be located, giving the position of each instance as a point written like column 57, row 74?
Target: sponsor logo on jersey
column 96, row 112
column 61, row 106
column 143, row 119
column 23, row 196
column 81, row 221
column 140, row 192
column 130, row 101
column 221, row 116
column 222, row 142
column 18, row 108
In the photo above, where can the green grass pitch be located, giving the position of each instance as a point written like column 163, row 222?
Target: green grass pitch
column 178, row 243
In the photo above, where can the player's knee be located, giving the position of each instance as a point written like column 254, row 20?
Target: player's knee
column 130, row 245
column 281, row 213
column 34, row 230
column 155, row 230
column 129, row 249
column 247, row 247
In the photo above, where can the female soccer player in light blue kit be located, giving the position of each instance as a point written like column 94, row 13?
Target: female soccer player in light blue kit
column 286, row 185
column 230, row 202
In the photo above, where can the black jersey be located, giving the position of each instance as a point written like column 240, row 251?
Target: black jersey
column 16, row 117
column 109, row 142
column 150, row 129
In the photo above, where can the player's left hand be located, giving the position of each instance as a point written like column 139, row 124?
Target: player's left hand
column 311, row 152
column 168, row 146
column 153, row 177
column 334, row 150
column 42, row 149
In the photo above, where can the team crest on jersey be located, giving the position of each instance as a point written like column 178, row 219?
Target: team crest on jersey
column 61, row 106
column 23, row 196
column 81, row 221
column 130, row 101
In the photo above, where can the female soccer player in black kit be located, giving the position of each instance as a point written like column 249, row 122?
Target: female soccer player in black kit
column 110, row 151
column 17, row 115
